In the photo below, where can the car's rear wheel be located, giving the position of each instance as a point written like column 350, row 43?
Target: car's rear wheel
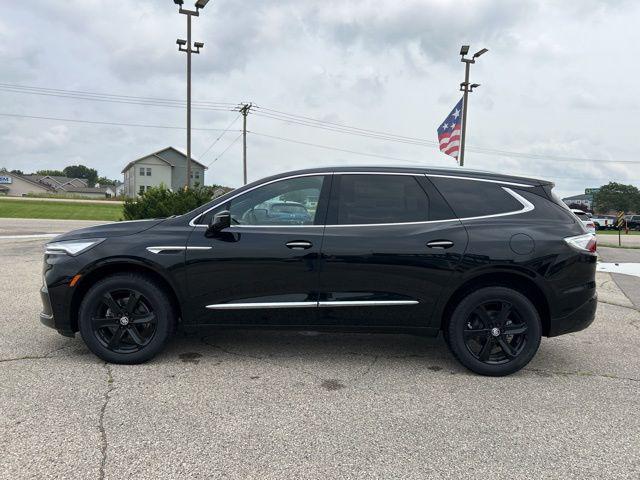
column 494, row 331
column 125, row 318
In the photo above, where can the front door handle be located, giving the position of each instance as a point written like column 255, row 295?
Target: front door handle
column 299, row 245
column 442, row 244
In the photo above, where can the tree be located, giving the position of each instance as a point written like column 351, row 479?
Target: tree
column 617, row 196
column 105, row 181
column 80, row 171
column 16, row 172
column 159, row 202
column 53, row 173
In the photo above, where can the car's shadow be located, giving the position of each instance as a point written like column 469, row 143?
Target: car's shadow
column 324, row 353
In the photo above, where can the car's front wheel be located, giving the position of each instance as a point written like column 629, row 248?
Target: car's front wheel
column 125, row 318
column 494, row 331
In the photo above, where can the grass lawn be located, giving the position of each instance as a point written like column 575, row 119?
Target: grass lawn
column 60, row 210
column 615, row 232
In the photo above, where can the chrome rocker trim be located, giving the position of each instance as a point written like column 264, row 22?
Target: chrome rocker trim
column 331, row 304
column 172, row 248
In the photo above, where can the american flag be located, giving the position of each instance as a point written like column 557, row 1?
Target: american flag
column 449, row 132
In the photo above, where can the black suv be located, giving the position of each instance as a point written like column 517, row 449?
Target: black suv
column 493, row 261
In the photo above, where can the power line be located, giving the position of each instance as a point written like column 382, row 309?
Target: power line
column 424, row 143
column 290, row 118
column 225, row 150
column 326, row 122
column 284, row 117
column 326, row 147
column 96, row 122
column 106, row 99
column 219, row 137
column 130, row 97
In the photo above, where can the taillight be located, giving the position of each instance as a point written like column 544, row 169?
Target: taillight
column 583, row 243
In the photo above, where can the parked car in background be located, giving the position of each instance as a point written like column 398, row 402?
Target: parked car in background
column 493, row 261
column 604, row 222
column 586, row 221
column 633, row 222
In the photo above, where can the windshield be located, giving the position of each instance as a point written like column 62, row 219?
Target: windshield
column 289, row 208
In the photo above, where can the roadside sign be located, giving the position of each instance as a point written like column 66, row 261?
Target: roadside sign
column 620, row 223
column 5, row 180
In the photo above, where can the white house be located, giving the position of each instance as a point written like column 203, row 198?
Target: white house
column 165, row 167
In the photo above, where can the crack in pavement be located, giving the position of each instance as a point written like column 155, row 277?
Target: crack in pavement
column 630, row 307
column 36, row 357
column 103, row 433
column 609, row 376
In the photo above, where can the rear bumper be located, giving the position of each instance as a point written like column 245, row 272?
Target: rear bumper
column 577, row 320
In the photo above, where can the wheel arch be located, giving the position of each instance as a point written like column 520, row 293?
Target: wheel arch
column 514, row 281
column 98, row 272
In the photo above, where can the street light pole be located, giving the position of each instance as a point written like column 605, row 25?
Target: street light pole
column 186, row 46
column 466, row 88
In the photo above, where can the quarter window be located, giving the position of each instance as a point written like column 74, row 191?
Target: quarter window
column 470, row 198
column 288, row 202
column 372, row 199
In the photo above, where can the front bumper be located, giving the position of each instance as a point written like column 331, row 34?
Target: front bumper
column 577, row 320
column 47, row 317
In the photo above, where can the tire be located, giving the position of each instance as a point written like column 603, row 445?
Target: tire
column 494, row 331
column 126, row 318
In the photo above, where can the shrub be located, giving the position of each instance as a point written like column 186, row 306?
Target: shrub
column 159, row 202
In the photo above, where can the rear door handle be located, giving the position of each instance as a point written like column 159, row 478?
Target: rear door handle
column 299, row 245
column 442, row 244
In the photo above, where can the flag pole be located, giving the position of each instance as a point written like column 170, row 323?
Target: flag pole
column 466, row 88
column 465, row 98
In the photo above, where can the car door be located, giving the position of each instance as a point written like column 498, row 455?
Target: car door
column 391, row 244
column 264, row 268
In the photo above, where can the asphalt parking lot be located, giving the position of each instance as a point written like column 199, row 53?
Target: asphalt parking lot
column 261, row 405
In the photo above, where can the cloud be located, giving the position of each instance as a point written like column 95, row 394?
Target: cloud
column 555, row 82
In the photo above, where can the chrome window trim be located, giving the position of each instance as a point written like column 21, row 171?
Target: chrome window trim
column 475, row 179
column 317, row 174
column 232, row 227
column 527, row 206
column 407, row 174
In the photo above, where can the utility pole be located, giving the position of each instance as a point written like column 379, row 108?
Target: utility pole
column 466, row 88
column 244, row 110
column 189, row 50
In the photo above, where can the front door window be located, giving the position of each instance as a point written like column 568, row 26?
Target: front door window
column 287, row 202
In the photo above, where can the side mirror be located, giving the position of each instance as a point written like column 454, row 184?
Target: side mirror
column 219, row 222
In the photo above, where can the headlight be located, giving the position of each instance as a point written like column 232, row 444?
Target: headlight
column 71, row 247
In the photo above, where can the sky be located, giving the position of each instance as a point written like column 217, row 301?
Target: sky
column 557, row 100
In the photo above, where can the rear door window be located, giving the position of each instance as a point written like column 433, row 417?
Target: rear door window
column 377, row 199
column 472, row 198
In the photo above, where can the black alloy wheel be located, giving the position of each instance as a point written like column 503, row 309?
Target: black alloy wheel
column 494, row 331
column 124, row 321
column 126, row 318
